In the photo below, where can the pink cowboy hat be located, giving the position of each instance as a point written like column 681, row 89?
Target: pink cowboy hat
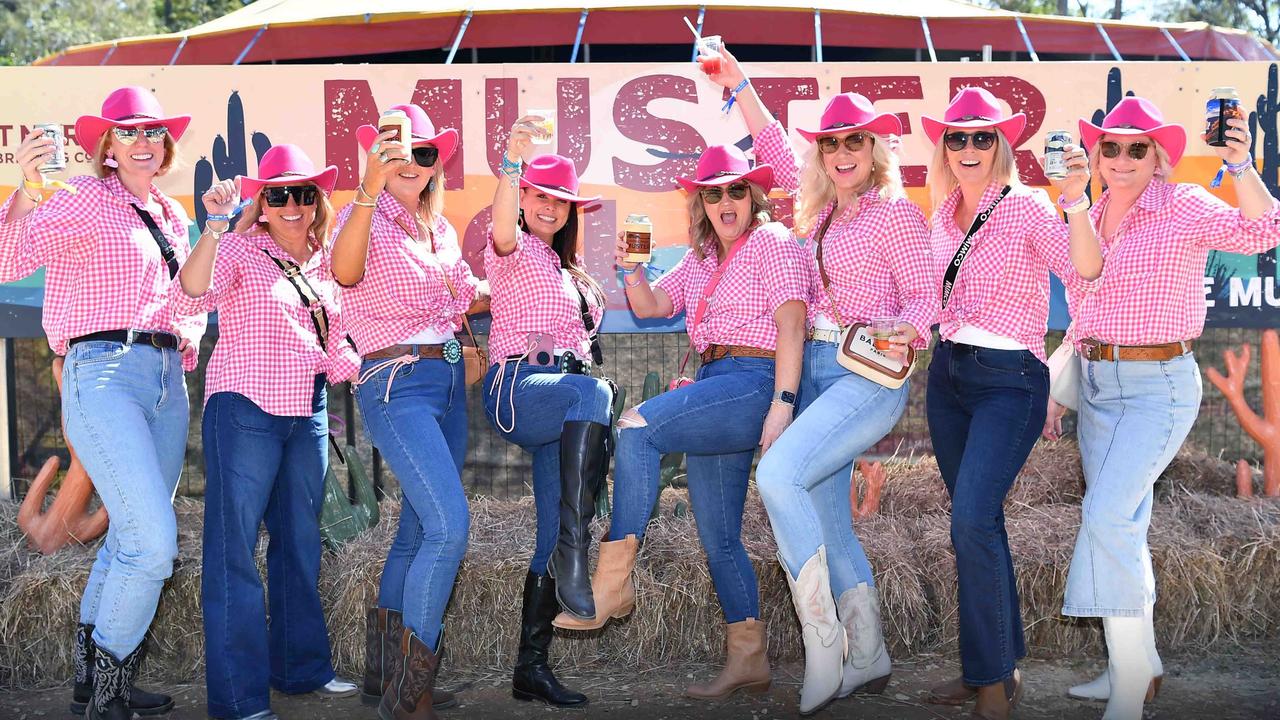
column 287, row 164
column 975, row 107
column 424, row 132
column 723, row 164
column 1137, row 116
column 850, row 111
column 128, row 106
column 556, row 176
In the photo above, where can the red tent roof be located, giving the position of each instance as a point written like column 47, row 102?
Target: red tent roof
column 305, row 29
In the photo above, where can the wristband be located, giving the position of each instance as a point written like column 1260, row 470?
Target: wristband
column 1068, row 205
column 733, row 95
column 37, row 186
column 1237, row 170
column 1076, row 208
column 510, row 168
column 639, row 279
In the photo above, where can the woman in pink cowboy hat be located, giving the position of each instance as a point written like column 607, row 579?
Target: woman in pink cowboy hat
column 265, row 428
column 994, row 243
column 544, row 391
column 1140, row 384
column 871, row 259
column 406, row 293
column 111, row 247
column 744, row 285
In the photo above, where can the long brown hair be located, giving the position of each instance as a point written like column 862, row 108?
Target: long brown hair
column 702, row 234
column 320, row 227
column 564, row 243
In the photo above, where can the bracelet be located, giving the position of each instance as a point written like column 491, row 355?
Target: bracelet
column 37, row 199
column 361, row 191
column 733, row 95
column 1067, row 205
column 1238, row 169
column 510, row 168
column 639, row 279
column 37, row 186
column 218, row 217
column 1076, row 209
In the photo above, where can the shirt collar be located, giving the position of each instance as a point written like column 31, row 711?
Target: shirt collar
column 113, row 185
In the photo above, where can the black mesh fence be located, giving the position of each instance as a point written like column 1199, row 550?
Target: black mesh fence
column 495, row 467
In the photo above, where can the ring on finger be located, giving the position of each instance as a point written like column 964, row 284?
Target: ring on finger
column 383, row 157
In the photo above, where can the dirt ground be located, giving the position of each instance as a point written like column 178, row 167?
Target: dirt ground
column 1241, row 685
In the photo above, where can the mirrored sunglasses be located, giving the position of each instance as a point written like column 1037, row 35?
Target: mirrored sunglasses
column 713, row 195
column 982, row 140
column 129, row 135
column 853, row 141
column 278, row 195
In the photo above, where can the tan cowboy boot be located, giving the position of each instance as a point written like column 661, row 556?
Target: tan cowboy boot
column 746, row 666
column 614, row 593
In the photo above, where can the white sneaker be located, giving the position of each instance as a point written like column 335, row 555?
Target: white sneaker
column 338, row 688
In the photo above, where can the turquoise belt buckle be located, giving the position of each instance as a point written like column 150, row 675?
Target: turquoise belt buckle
column 452, row 351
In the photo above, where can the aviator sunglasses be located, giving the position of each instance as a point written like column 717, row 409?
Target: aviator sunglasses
column 129, row 135
column 713, row 195
column 982, row 140
column 852, row 141
column 278, row 195
column 1111, row 149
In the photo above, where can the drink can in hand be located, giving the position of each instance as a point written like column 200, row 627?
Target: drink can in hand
column 1223, row 105
column 57, row 161
column 1055, row 156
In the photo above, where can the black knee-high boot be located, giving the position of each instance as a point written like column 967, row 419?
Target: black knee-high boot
column 533, row 679
column 582, row 465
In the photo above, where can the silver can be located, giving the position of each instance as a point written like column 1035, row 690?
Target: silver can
column 57, row 162
column 1055, row 157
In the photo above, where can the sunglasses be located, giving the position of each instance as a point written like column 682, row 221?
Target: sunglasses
column 853, row 141
column 1111, row 149
column 129, row 135
column 278, row 195
column 426, row 155
column 982, row 140
column 713, row 195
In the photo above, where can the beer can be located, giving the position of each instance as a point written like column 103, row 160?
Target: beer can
column 1223, row 105
column 1055, row 158
column 398, row 120
column 57, row 162
column 637, row 231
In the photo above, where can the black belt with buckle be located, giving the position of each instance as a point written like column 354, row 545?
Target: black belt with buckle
column 162, row 340
column 567, row 363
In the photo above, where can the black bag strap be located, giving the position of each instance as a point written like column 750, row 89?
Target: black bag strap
column 310, row 300
column 589, row 324
column 953, row 269
column 166, row 250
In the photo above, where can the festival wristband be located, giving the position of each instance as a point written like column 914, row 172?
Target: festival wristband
column 733, row 95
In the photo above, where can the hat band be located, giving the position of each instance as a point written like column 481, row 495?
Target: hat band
column 136, row 117
column 1125, row 126
column 722, row 173
column 971, row 118
column 548, row 186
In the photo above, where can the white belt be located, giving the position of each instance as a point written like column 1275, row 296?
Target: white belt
column 970, row 335
column 820, row 335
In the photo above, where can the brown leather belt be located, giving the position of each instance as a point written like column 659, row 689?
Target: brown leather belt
column 395, row 351
column 1095, row 351
column 716, row 352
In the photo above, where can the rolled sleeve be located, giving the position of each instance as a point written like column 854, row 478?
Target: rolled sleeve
column 785, row 266
column 224, row 279
column 772, row 146
column 495, row 264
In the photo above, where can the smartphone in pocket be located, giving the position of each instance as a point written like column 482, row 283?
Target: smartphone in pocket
column 542, row 350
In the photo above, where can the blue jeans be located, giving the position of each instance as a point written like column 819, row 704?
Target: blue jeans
column 986, row 408
column 1133, row 418
column 716, row 422
column 422, row 432
column 125, row 410
column 530, row 411
column 262, row 468
column 804, row 478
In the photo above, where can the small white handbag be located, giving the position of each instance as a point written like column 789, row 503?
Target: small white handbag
column 1064, row 376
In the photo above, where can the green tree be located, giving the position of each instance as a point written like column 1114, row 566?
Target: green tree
column 1261, row 17
column 179, row 15
column 30, row 29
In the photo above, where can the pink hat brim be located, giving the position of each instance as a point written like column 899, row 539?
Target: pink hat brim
column 761, row 175
column 562, row 194
column 446, row 140
column 325, row 180
column 89, row 128
column 881, row 124
column 1011, row 127
column 1170, row 136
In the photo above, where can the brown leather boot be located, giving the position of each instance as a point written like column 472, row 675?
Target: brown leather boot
column 612, row 588
column 997, row 702
column 746, row 666
column 384, row 629
column 952, row 692
column 409, row 694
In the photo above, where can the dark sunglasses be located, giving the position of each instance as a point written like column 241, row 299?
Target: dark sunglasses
column 129, row 135
column 278, row 195
column 982, row 140
column 852, row 141
column 426, row 155
column 1111, row 149
column 713, row 195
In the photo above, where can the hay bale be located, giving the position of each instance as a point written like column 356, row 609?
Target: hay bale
column 1195, row 471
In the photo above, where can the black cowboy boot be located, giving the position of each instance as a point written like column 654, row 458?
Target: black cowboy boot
column 582, row 464
column 140, row 701
column 533, row 679
column 112, row 682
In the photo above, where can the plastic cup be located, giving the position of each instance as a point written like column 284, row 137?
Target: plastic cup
column 883, row 328
column 547, row 123
column 709, row 57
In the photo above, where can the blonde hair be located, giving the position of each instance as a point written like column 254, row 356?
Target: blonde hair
column 431, row 198
column 817, row 191
column 1164, row 168
column 942, row 181
column 320, row 227
column 102, row 170
column 702, row 234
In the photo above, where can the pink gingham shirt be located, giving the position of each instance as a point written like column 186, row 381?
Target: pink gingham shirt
column 403, row 291
column 1003, row 284
column 267, row 346
column 768, row 270
column 879, row 261
column 528, row 295
column 104, row 269
column 1151, row 290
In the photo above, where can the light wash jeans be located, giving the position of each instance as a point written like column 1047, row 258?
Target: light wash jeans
column 804, row 478
column 125, row 409
column 1133, row 418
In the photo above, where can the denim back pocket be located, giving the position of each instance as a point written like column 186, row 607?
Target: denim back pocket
column 95, row 351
